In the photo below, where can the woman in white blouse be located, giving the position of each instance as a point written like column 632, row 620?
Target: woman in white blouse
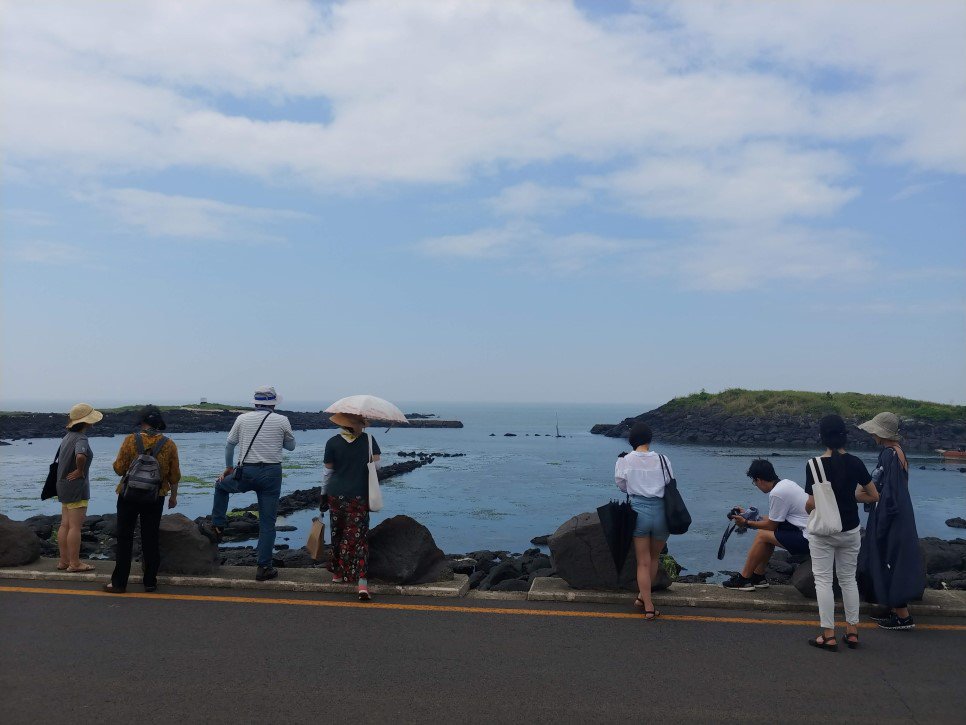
column 641, row 476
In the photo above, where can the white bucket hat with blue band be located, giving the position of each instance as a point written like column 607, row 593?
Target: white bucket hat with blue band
column 266, row 396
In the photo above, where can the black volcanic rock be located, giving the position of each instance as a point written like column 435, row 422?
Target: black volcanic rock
column 179, row 420
column 713, row 425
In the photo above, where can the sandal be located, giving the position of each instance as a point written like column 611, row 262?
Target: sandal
column 852, row 640
column 62, row 567
column 78, row 569
column 822, row 642
column 639, row 603
column 651, row 614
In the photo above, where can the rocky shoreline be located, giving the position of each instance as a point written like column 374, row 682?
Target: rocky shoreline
column 403, row 551
column 714, row 425
column 14, row 426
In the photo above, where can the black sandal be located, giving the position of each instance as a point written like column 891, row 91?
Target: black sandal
column 639, row 603
column 824, row 643
column 852, row 640
column 654, row 615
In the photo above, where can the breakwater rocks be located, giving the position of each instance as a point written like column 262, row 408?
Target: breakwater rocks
column 307, row 498
column 713, row 425
column 179, row 420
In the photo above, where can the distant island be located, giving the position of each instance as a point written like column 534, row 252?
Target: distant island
column 193, row 418
column 774, row 418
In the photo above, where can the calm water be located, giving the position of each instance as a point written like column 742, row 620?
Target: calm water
column 504, row 492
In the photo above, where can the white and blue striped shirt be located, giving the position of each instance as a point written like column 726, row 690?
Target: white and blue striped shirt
column 275, row 434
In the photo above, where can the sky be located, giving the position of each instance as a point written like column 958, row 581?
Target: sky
column 515, row 200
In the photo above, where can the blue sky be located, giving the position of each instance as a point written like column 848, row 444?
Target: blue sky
column 535, row 201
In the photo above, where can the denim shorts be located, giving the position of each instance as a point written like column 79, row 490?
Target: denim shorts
column 650, row 517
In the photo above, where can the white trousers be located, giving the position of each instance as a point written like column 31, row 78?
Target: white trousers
column 842, row 550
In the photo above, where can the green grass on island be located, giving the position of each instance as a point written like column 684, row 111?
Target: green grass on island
column 763, row 403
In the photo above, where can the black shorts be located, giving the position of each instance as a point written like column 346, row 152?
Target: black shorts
column 791, row 539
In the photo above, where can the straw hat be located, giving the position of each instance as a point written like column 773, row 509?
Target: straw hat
column 345, row 420
column 884, row 425
column 83, row 413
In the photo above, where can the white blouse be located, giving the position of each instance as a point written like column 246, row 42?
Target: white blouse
column 640, row 474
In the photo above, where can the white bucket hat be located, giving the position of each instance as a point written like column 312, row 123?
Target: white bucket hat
column 83, row 413
column 266, row 396
column 884, row 425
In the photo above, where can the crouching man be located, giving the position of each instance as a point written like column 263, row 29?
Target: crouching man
column 784, row 526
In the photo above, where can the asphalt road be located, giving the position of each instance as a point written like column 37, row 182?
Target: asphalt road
column 207, row 655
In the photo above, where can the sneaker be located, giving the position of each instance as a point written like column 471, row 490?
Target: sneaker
column 897, row 622
column 759, row 581
column 264, row 573
column 740, row 583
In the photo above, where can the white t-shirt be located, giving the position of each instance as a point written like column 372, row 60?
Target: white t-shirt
column 786, row 502
column 640, row 474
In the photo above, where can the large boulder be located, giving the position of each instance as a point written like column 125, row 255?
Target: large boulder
column 402, row 551
column 804, row 581
column 942, row 555
column 18, row 543
column 42, row 525
column 184, row 549
column 582, row 558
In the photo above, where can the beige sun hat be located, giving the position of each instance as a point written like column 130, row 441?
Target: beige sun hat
column 83, row 413
column 884, row 425
column 345, row 420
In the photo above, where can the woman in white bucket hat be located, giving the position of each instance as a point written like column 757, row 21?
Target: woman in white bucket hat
column 74, row 485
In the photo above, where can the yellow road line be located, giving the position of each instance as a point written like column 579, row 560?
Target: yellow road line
column 443, row 608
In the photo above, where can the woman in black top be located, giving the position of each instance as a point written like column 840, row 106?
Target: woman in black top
column 851, row 482
column 346, row 493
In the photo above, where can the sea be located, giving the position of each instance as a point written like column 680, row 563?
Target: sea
column 505, row 490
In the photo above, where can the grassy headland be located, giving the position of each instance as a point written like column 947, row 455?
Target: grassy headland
column 790, row 418
column 766, row 403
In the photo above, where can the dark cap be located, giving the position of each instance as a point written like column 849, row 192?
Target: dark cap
column 151, row 415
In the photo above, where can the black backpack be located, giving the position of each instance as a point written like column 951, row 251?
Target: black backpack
column 142, row 482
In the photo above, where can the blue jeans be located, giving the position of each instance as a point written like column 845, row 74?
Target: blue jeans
column 266, row 482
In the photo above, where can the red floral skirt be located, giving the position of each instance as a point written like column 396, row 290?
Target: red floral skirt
column 349, row 520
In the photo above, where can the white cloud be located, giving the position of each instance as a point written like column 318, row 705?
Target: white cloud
column 163, row 215
column 747, row 184
column 42, row 252
column 746, row 116
column 743, row 258
column 528, row 248
column 531, row 199
column 435, row 90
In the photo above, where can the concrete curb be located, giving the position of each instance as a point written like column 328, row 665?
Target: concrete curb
column 710, row 596
column 547, row 589
column 243, row 578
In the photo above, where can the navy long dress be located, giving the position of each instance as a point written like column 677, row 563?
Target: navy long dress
column 890, row 569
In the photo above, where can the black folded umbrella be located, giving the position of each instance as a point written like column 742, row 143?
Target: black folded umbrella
column 618, row 520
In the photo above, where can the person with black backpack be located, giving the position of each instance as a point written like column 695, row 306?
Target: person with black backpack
column 149, row 467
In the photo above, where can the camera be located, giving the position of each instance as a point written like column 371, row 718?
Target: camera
column 736, row 511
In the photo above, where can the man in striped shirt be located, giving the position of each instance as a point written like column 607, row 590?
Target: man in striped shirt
column 260, row 436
